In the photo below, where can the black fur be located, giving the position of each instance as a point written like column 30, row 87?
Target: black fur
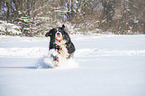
column 69, row 45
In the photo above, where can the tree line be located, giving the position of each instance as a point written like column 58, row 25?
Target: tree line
column 95, row 16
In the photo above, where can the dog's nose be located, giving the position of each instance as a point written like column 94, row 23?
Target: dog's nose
column 58, row 36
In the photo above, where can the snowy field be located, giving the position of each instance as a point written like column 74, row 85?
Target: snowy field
column 103, row 65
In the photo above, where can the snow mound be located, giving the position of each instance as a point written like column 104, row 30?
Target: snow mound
column 46, row 62
column 88, row 52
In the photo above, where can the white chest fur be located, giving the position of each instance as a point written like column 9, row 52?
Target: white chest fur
column 63, row 50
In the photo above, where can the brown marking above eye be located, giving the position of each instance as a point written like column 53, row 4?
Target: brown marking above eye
column 59, row 30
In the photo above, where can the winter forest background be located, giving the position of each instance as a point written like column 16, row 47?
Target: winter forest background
column 35, row 17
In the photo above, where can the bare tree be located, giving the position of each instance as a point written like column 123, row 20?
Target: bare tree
column 36, row 16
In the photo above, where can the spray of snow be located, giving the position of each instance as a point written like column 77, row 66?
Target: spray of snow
column 47, row 62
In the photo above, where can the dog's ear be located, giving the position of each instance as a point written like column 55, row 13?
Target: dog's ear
column 63, row 26
column 49, row 33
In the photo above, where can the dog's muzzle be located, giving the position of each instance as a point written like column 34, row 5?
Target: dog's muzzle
column 58, row 36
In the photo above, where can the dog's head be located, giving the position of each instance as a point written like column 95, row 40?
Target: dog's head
column 56, row 33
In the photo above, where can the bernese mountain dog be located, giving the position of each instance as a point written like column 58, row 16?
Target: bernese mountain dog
column 61, row 43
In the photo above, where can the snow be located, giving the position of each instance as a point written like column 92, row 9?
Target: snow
column 103, row 65
column 12, row 28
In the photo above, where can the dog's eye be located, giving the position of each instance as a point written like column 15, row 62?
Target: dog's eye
column 59, row 30
column 55, row 30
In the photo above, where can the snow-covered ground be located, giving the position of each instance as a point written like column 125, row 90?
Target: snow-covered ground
column 103, row 65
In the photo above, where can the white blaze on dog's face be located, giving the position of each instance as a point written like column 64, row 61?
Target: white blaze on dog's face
column 61, row 42
column 58, row 35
